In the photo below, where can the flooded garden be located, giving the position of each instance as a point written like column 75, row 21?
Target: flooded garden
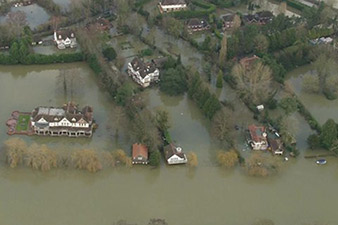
column 205, row 195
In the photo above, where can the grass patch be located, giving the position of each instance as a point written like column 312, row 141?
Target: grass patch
column 23, row 123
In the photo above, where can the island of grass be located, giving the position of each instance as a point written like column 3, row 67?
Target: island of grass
column 23, row 123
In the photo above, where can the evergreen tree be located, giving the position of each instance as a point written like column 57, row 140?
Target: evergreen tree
column 14, row 51
column 219, row 83
column 155, row 158
column 329, row 134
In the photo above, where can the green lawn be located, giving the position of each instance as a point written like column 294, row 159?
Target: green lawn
column 23, row 123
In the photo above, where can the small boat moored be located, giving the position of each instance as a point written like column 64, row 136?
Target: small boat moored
column 321, row 161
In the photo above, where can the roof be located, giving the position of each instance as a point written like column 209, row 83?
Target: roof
column 172, row 2
column 228, row 17
column 275, row 144
column 171, row 150
column 257, row 133
column 143, row 68
column 160, row 61
column 140, row 150
column 248, row 61
column 265, row 14
column 197, row 22
column 68, row 111
column 64, row 34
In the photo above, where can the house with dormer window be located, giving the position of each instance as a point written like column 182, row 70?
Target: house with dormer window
column 65, row 38
column 143, row 73
column 63, row 121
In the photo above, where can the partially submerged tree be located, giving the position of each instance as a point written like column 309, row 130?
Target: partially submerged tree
column 16, row 149
column 263, row 165
column 329, row 134
column 155, row 158
column 192, row 159
column 221, row 127
column 227, row 159
column 40, row 157
column 162, row 120
column 87, row 159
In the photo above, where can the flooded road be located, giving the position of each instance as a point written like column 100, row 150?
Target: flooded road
column 302, row 193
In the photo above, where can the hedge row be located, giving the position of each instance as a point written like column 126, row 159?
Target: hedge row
column 42, row 59
column 308, row 117
column 295, row 4
column 209, row 8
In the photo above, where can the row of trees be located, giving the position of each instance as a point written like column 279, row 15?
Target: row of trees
column 258, row 164
column 203, row 97
column 41, row 157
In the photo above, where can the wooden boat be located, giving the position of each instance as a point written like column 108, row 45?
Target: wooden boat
column 321, row 161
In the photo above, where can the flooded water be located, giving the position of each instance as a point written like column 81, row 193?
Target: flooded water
column 319, row 106
column 302, row 193
column 35, row 15
column 171, row 45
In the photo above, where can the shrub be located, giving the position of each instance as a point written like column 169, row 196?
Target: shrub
column 147, row 52
column 154, row 158
column 173, row 81
column 109, row 53
column 94, row 64
column 289, row 105
column 313, row 141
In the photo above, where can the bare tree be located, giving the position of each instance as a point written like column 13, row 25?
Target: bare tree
column 254, row 82
column 41, row 157
column 87, row 159
column 221, row 127
column 16, row 21
column 70, row 81
column 16, row 149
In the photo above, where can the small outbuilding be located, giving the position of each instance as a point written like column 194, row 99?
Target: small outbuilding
column 140, row 154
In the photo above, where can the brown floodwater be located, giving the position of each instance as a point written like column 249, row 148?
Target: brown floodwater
column 319, row 106
column 302, row 193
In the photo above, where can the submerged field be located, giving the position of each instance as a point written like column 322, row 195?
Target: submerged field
column 207, row 195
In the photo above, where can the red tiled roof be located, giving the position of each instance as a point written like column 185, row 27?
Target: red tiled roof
column 257, row 133
column 248, row 61
column 140, row 150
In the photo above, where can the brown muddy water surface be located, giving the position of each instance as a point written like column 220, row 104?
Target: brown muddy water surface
column 302, row 193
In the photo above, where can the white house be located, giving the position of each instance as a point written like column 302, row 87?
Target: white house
column 258, row 138
column 172, row 5
column 63, row 121
column 65, row 39
column 143, row 73
column 174, row 155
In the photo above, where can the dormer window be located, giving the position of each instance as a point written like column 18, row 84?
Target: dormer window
column 55, row 119
column 60, row 37
column 73, row 119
